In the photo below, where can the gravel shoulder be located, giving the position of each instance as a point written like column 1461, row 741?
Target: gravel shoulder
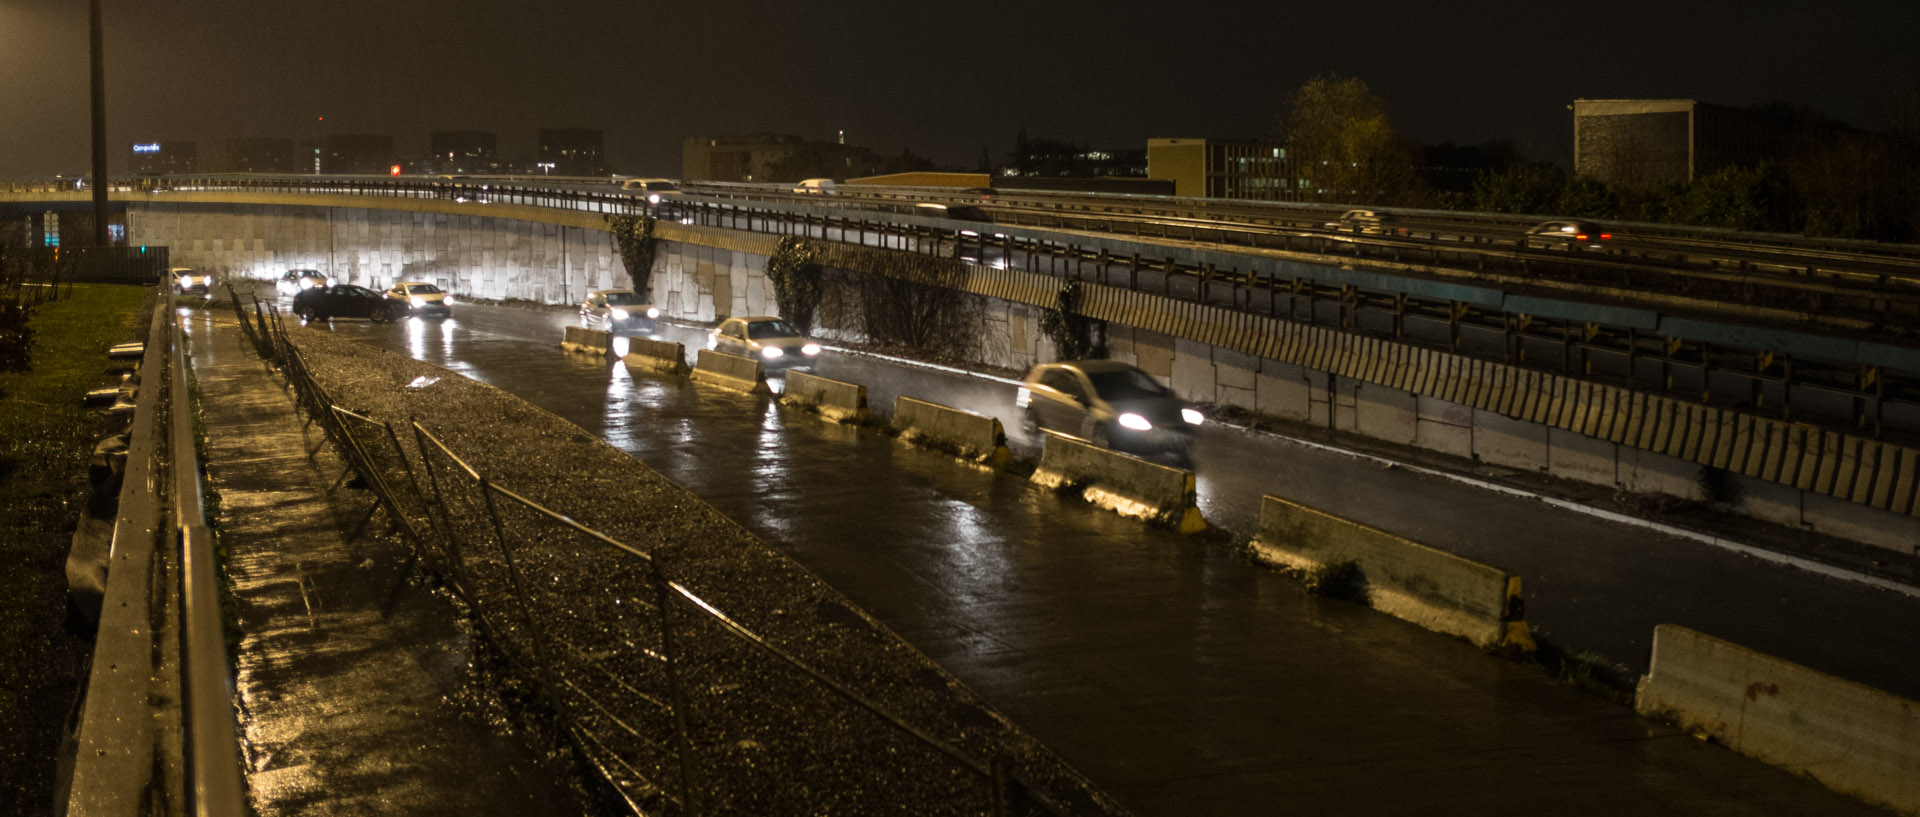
column 769, row 740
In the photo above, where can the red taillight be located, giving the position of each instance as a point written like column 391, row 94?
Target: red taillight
column 1606, row 236
column 1579, row 236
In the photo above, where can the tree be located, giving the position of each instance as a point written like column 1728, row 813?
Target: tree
column 633, row 239
column 1341, row 141
column 796, row 281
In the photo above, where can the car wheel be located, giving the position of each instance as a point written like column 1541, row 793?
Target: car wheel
column 381, row 314
column 1100, row 436
column 309, row 314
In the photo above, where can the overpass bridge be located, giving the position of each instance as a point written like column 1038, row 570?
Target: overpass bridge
column 1778, row 375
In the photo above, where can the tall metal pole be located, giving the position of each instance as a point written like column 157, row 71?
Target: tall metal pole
column 100, row 180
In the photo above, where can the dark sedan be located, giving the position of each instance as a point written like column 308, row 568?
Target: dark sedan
column 325, row 303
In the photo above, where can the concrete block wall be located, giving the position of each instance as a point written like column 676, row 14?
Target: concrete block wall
column 479, row 256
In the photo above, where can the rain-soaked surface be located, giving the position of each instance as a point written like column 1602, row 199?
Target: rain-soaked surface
column 346, row 708
column 1180, row 678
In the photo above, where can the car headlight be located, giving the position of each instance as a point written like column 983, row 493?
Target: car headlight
column 1192, row 416
column 619, row 314
column 417, row 301
column 810, row 349
column 771, row 352
column 653, row 198
column 446, row 300
column 306, row 283
column 1135, row 422
column 652, row 312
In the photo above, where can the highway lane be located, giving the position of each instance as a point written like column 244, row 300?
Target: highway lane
column 1150, row 660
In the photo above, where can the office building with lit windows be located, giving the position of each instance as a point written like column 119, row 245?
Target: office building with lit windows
column 1224, row 168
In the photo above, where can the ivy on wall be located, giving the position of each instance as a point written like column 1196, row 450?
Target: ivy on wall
column 1075, row 336
column 900, row 299
column 796, row 281
column 633, row 239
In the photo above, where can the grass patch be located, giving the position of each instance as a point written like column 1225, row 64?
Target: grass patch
column 46, row 439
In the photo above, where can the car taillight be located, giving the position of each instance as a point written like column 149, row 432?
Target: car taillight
column 1579, row 236
column 1606, row 236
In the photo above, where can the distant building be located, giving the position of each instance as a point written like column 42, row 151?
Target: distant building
column 775, row 157
column 1052, row 157
column 1223, row 168
column 463, row 151
column 572, row 152
column 1650, row 142
column 358, row 153
column 261, row 154
column 149, row 158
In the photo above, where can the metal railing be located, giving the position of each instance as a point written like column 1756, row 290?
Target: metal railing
column 126, row 741
column 638, row 668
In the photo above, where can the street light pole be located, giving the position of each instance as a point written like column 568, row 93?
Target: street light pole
column 100, row 180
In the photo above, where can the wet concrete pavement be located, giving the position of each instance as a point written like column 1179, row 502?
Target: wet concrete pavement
column 345, row 710
column 1180, row 678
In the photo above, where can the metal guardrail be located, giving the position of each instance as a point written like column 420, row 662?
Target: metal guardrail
column 486, row 539
column 157, row 728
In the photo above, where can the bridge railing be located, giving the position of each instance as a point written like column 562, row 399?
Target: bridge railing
column 1856, row 395
column 640, row 670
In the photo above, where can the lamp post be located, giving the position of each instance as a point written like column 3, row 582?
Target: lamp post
column 100, row 180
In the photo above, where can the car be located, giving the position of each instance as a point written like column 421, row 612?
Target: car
column 293, row 281
column 1361, row 221
column 1567, row 232
column 954, row 212
column 817, row 187
column 420, row 298
column 1108, row 403
column 324, row 303
column 620, row 311
column 188, row 282
column 774, row 341
column 653, row 190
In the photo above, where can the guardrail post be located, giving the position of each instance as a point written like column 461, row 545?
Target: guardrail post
column 690, row 798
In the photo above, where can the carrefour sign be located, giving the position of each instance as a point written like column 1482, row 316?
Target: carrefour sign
column 147, row 147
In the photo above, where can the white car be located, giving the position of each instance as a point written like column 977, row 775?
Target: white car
column 294, row 280
column 818, row 187
column 774, row 341
column 653, row 190
column 189, row 282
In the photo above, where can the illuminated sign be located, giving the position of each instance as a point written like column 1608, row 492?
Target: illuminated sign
column 147, row 147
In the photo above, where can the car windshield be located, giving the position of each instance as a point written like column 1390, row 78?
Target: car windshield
column 423, row 289
column 770, row 329
column 1126, row 384
column 622, row 298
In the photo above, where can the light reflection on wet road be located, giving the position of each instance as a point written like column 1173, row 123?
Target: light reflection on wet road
column 1145, row 658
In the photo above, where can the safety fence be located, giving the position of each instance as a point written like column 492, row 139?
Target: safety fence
column 664, row 693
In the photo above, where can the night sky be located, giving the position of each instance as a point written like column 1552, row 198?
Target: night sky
column 945, row 81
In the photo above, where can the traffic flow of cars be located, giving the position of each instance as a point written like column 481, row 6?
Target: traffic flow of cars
column 774, row 341
column 620, row 311
column 1108, row 403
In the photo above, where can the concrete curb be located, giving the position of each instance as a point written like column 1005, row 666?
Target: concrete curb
column 835, row 400
column 734, row 372
column 656, row 355
column 1122, row 483
column 976, row 437
column 587, row 341
column 1852, row 738
column 1403, row 578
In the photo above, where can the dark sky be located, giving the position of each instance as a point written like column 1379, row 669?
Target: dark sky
column 943, row 80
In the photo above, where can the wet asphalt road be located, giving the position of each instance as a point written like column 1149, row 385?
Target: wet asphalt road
column 1154, row 662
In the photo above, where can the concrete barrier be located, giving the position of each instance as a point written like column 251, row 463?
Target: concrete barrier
column 975, row 437
column 1122, row 483
column 658, row 355
column 833, row 399
column 591, row 341
column 1402, row 578
column 1852, row 738
column 731, row 371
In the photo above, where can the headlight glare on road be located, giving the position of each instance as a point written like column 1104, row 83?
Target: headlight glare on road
column 1192, row 416
column 619, row 314
column 810, row 349
column 1135, row 422
column 772, row 352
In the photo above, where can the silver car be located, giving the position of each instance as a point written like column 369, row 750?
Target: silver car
column 774, row 341
column 1110, row 404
